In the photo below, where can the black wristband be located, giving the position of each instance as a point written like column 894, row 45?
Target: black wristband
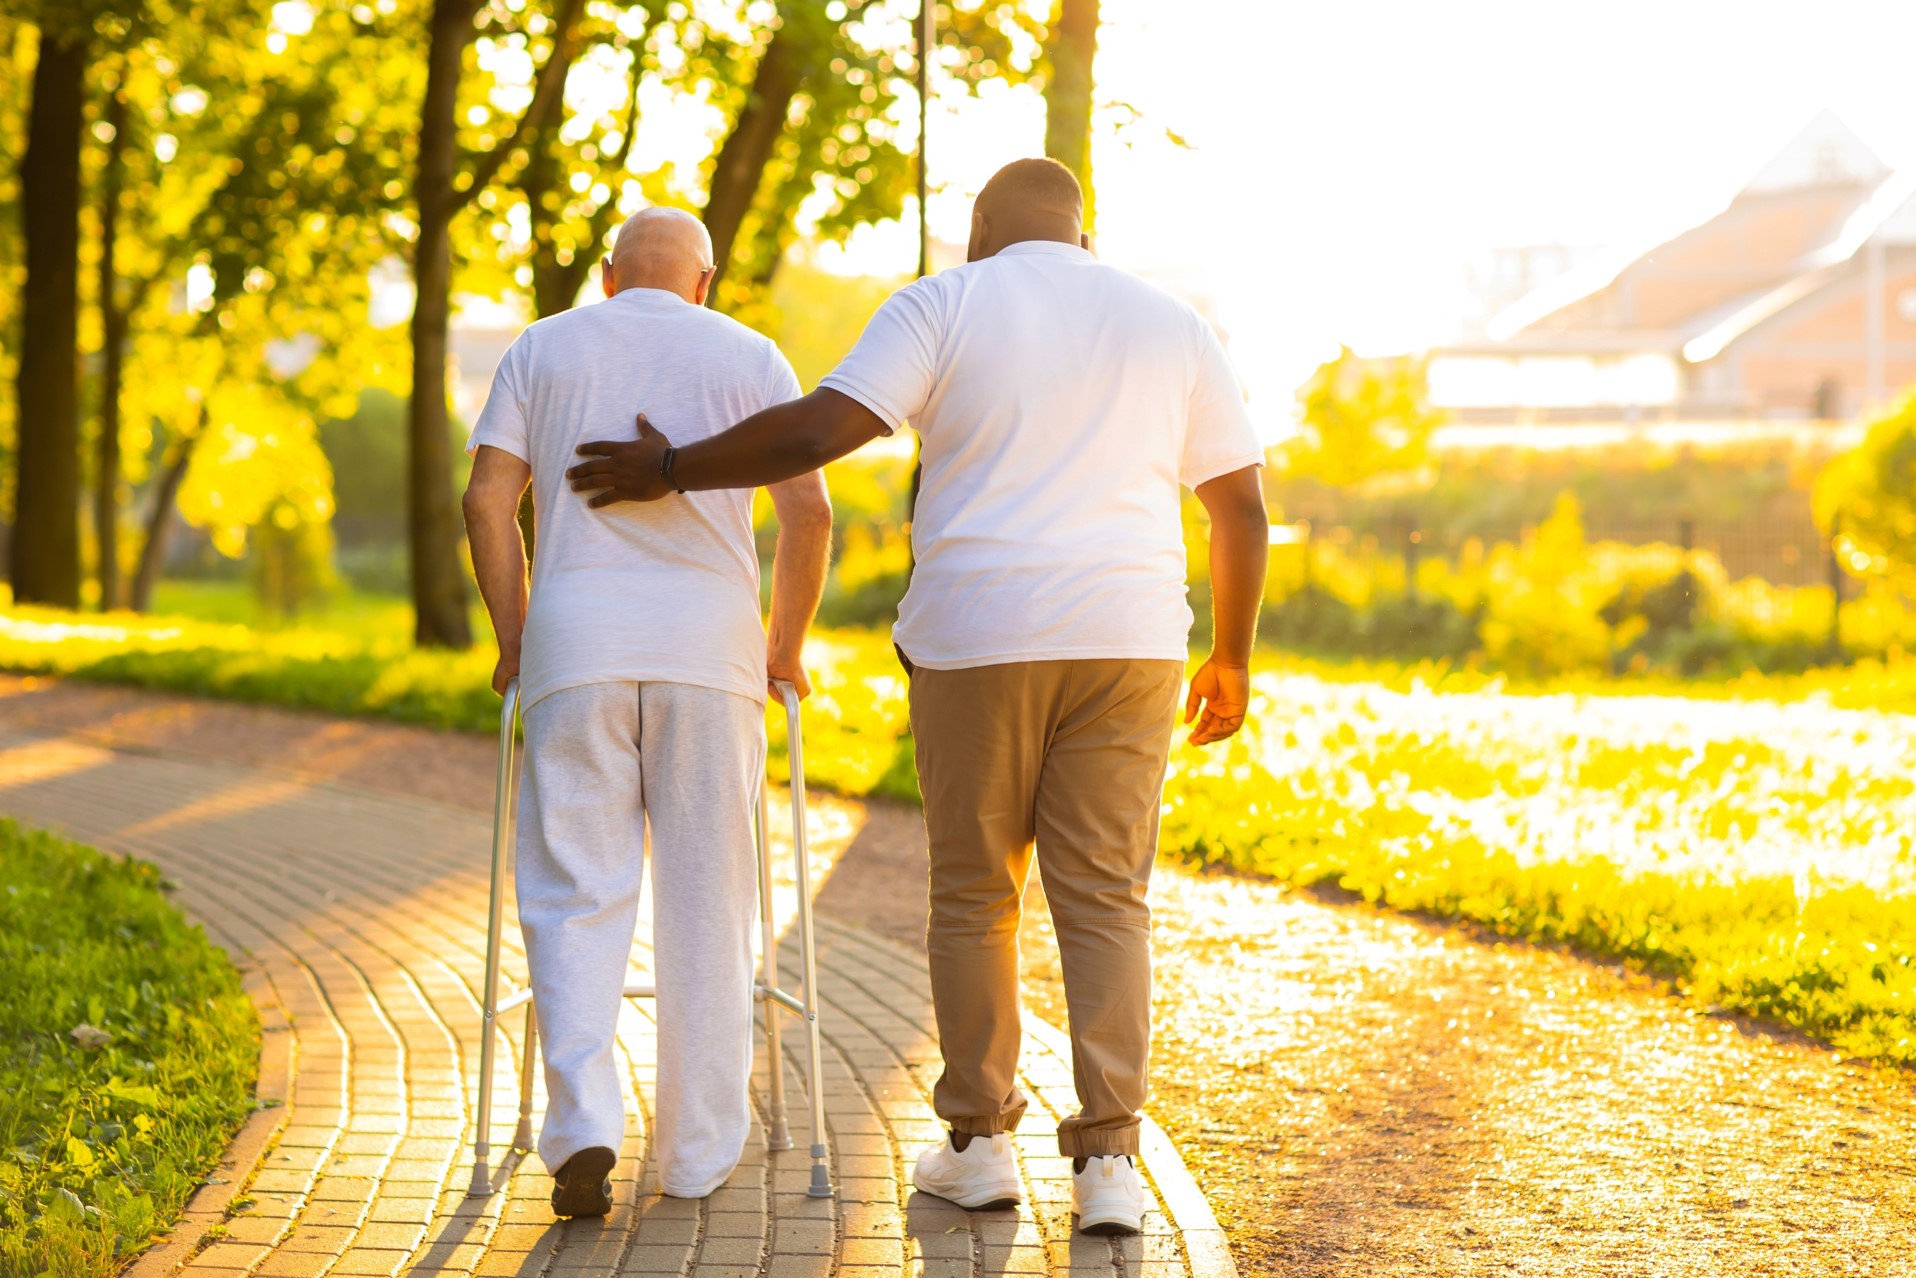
column 665, row 467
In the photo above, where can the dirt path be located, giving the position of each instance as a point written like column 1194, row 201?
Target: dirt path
column 1357, row 1093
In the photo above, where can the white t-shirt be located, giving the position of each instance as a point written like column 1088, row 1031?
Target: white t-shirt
column 666, row 590
column 1061, row 402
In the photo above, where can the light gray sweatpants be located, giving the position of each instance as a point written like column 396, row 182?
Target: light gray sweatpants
column 602, row 762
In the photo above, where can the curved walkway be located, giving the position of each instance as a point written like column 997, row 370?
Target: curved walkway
column 359, row 920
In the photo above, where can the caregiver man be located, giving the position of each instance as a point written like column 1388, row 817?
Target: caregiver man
column 643, row 669
column 1061, row 404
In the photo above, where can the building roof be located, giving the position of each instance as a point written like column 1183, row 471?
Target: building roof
column 1825, row 156
column 1824, row 153
column 1888, row 216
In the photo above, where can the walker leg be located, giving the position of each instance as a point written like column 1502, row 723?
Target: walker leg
column 778, row 1134
column 495, row 918
column 522, row 1136
column 821, row 1185
column 481, row 1148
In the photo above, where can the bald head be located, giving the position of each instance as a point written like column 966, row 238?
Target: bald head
column 661, row 248
column 1027, row 200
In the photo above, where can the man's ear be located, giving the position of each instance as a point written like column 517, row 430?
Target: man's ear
column 1084, row 240
column 975, row 250
column 703, row 289
column 606, row 281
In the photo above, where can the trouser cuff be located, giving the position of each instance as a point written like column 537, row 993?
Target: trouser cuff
column 984, row 1126
column 1103, row 1144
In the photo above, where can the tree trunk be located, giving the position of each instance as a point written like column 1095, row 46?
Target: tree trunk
column 748, row 148
column 438, row 580
column 106, row 491
column 159, row 520
column 46, row 528
column 1071, row 46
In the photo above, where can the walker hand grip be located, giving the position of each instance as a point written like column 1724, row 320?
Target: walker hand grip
column 788, row 693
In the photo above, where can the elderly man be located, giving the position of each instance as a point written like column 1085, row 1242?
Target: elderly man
column 1061, row 403
column 643, row 668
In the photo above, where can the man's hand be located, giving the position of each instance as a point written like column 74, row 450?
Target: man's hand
column 506, row 671
column 790, row 669
column 627, row 470
column 1224, row 692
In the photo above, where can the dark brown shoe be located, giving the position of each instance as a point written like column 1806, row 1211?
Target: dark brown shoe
column 582, row 1186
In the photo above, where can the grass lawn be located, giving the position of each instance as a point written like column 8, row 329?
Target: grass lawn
column 1757, row 851
column 1749, row 838
column 103, row 1141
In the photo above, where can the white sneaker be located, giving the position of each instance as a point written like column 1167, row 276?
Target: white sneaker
column 983, row 1178
column 1108, row 1196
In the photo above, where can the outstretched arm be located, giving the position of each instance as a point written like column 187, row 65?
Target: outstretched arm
column 784, row 441
column 498, row 549
column 1240, row 543
column 798, row 574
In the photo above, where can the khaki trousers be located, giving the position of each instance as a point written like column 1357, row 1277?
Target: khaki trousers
column 1069, row 755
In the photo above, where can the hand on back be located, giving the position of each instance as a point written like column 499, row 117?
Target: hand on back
column 622, row 470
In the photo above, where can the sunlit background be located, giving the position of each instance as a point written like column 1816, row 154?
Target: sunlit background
column 1357, row 173
column 1583, row 337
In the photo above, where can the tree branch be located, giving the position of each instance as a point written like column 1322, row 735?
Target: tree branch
column 632, row 103
column 549, row 83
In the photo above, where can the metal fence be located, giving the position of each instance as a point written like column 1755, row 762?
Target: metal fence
column 1756, row 556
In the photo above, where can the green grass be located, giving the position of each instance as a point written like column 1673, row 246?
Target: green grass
column 100, row 1147
column 1757, row 852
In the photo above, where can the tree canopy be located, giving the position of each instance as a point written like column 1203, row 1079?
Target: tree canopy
column 248, row 189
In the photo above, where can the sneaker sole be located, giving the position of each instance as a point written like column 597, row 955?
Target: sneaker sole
column 1002, row 1202
column 584, row 1192
column 1108, row 1228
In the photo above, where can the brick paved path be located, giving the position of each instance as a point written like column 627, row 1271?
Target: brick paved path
column 359, row 919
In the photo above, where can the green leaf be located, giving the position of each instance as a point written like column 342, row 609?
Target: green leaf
column 144, row 1097
column 65, row 1207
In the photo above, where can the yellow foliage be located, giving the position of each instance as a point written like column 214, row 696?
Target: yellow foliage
column 260, row 459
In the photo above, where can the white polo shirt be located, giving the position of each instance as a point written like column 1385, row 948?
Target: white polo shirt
column 665, row 590
column 1061, row 403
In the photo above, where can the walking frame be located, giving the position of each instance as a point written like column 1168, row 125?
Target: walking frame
column 765, row 989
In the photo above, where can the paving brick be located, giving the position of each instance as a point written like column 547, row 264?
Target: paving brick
column 391, row 1235
column 730, row 1251
column 232, row 1255
column 343, row 1189
column 939, row 1269
column 806, row 1267
column 804, row 1237
column 360, row 1262
column 255, row 1229
column 889, row 1252
column 510, row 1264
column 402, row 1210
column 326, row 1239
column 735, row 1224
column 1018, row 1260
column 646, row 1258
column 871, row 1220
column 295, row 1264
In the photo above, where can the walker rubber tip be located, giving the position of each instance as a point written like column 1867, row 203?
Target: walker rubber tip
column 821, row 1186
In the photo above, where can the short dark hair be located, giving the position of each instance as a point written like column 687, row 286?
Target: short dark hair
column 1041, row 183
